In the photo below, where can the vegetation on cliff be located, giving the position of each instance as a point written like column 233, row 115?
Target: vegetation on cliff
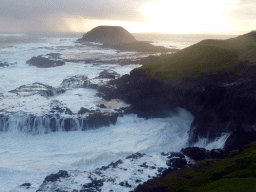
column 237, row 172
column 212, row 56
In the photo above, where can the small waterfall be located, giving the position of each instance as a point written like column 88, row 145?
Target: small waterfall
column 36, row 125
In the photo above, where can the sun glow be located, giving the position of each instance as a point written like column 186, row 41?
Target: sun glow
column 185, row 16
column 168, row 16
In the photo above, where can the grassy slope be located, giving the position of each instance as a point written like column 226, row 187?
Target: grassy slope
column 206, row 56
column 233, row 174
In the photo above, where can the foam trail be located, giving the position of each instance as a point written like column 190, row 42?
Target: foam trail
column 218, row 143
column 27, row 158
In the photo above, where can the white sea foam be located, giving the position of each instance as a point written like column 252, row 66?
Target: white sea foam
column 26, row 158
column 30, row 159
column 217, row 143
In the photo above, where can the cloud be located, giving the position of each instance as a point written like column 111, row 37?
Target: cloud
column 126, row 10
column 242, row 14
column 82, row 15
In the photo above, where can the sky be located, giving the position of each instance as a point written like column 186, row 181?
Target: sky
column 165, row 16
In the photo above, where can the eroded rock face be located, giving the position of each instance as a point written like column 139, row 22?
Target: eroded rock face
column 220, row 103
column 109, row 35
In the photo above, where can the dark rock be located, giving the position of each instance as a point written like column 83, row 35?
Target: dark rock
column 176, row 163
column 219, row 102
column 135, row 156
column 111, row 165
column 238, row 139
column 43, row 62
column 93, row 186
column 114, row 165
column 64, row 110
column 38, row 88
column 168, row 171
column 118, row 38
column 83, row 111
column 175, row 154
column 108, row 74
column 144, row 188
column 144, row 165
column 26, row 185
column 6, row 64
column 102, row 106
column 138, row 181
column 55, row 177
column 196, row 153
column 109, row 35
column 125, row 184
column 217, row 153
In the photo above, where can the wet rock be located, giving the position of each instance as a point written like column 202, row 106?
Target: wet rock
column 111, row 165
column 125, row 184
column 173, row 154
column 102, row 106
column 217, row 153
column 135, row 156
column 108, row 74
column 6, row 64
column 239, row 139
column 38, row 88
column 78, row 81
column 64, row 110
column 57, row 176
column 83, row 111
column 98, row 119
column 196, row 153
column 43, row 62
column 93, row 186
column 176, row 163
column 25, row 185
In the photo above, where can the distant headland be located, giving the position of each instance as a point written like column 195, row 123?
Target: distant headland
column 117, row 37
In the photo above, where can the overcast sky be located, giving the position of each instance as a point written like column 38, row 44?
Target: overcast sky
column 170, row 16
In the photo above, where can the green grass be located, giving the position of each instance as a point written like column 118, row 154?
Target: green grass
column 207, row 56
column 235, row 173
column 230, row 185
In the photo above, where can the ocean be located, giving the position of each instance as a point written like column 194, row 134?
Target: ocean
column 29, row 153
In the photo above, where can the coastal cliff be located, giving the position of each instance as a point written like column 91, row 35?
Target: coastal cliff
column 215, row 80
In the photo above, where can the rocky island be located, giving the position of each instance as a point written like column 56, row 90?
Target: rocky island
column 117, row 37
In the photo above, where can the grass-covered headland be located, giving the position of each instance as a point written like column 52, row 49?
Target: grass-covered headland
column 206, row 56
column 216, row 81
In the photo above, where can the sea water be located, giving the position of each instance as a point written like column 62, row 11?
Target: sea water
column 30, row 158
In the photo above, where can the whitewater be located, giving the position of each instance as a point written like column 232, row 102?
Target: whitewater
column 29, row 157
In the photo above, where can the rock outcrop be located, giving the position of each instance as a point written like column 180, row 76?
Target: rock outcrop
column 43, row 62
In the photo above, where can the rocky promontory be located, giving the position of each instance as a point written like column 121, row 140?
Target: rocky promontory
column 215, row 81
column 117, row 37
column 218, row 89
